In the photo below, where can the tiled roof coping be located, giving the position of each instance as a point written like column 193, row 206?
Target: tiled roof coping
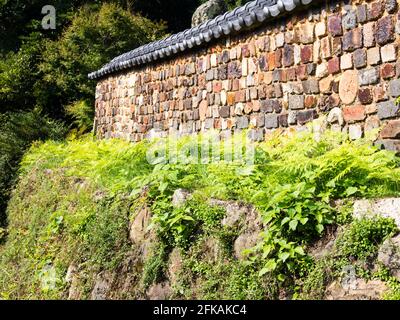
column 251, row 14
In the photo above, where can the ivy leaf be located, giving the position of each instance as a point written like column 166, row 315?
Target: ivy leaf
column 303, row 221
column 163, row 186
column 284, row 256
column 299, row 250
column 293, row 224
column 351, row 190
column 281, row 277
column 319, row 227
column 285, row 220
column 269, row 266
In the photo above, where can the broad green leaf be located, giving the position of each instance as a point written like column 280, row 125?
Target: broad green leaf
column 351, row 190
column 293, row 224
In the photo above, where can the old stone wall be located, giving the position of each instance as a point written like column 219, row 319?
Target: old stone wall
column 339, row 59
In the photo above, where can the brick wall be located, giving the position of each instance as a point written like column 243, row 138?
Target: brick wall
column 338, row 59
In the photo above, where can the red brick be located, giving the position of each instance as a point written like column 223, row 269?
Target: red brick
column 334, row 65
column 271, row 61
column 388, row 71
column 352, row 114
column 301, row 72
column 217, row 87
column 240, row 96
column 310, row 101
column 306, row 54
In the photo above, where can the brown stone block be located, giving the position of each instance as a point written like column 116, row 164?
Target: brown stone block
column 391, row 130
column 352, row 40
column 306, row 54
column 354, row 113
column 375, row 10
column 334, row 65
column 335, row 25
column 388, row 71
column 301, row 72
column 384, row 32
column 365, row 95
column 231, row 98
column 310, row 101
column 271, row 61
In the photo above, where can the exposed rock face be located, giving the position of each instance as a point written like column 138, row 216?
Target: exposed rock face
column 179, row 197
column 72, row 279
column 125, row 282
column 357, row 289
column 207, row 11
column 244, row 217
column 174, row 265
column 389, row 255
column 244, row 242
column 138, row 228
column 102, row 286
column 388, row 207
column 325, row 245
column 159, row 291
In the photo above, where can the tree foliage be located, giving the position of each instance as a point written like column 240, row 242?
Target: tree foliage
column 93, row 38
column 47, row 70
column 17, row 131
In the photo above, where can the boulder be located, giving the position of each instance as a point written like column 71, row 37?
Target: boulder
column 208, row 10
column 159, row 291
column 247, row 219
column 138, row 230
column 356, row 289
column 211, row 250
column 235, row 212
column 245, row 241
column 179, row 197
column 174, row 265
column 102, row 286
column 389, row 255
column 72, row 279
column 325, row 245
column 388, row 207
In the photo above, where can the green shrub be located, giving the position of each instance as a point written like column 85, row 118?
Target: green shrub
column 356, row 246
column 178, row 226
column 94, row 37
column 292, row 183
column 154, row 267
column 17, row 132
column 362, row 239
column 83, row 115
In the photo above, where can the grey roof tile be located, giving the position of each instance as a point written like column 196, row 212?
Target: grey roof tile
column 244, row 17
